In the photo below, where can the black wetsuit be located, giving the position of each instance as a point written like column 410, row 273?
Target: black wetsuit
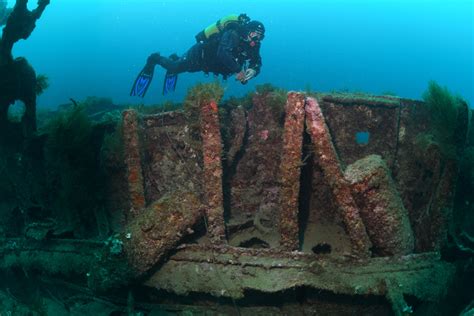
column 224, row 54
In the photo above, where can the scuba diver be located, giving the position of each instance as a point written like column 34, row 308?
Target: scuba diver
column 230, row 46
column 4, row 12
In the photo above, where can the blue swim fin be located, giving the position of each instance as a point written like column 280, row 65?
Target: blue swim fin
column 143, row 81
column 169, row 85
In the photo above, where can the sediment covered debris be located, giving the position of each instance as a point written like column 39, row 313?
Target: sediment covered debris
column 145, row 240
column 158, row 229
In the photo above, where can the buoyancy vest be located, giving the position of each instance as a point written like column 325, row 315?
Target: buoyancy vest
column 228, row 22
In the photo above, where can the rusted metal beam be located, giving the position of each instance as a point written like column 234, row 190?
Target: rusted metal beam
column 329, row 161
column 367, row 100
column 51, row 256
column 290, row 170
column 212, row 179
column 133, row 161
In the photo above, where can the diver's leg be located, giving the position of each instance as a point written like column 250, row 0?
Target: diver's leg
column 175, row 66
column 190, row 62
column 172, row 64
column 194, row 57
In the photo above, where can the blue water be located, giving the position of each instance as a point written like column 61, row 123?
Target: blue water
column 97, row 47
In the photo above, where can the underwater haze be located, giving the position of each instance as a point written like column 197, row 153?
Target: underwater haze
column 97, row 47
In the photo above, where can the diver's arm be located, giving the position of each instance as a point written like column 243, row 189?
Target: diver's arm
column 229, row 41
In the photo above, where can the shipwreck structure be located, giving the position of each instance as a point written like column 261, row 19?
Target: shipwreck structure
column 308, row 200
column 18, row 81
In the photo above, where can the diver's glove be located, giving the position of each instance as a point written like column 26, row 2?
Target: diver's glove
column 153, row 59
column 246, row 75
column 249, row 74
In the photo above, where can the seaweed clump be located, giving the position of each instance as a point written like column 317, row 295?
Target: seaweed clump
column 275, row 99
column 72, row 151
column 42, row 83
column 276, row 96
column 202, row 92
column 444, row 110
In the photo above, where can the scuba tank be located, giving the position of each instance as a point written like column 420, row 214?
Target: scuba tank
column 229, row 21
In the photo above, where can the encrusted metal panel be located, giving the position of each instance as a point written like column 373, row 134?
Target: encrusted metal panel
column 379, row 117
column 229, row 272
